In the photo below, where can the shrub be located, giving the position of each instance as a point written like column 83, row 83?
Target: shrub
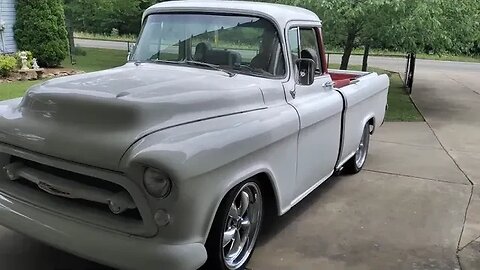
column 40, row 28
column 7, row 65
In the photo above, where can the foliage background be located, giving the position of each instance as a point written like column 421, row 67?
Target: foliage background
column 102, row 16
column 40, row 28
column 420, row 26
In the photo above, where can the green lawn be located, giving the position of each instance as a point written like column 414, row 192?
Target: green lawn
column 15, row 89
column 400, row 106
column 85, row 35
column 97, row 59
column 94, row 60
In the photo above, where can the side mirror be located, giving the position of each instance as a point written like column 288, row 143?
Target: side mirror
column 306, row 71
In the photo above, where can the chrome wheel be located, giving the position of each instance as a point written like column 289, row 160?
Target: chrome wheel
column 362, row 150
column 242, row 226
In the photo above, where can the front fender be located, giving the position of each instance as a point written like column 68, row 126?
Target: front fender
column 206, row 159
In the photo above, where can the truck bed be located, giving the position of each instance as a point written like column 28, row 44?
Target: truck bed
column 343, row 78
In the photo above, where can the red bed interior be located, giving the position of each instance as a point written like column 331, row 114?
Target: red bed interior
column 342, row 80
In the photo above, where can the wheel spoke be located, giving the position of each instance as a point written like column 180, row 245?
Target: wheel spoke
column 236, row 246
column 242, row 226
column 245, row 224
column 233, row 213
column 245, row 201
column 228, row 236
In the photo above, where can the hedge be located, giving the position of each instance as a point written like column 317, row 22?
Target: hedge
column 40, row 28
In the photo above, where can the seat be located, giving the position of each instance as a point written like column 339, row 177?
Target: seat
column 201, row 51
column 223, row 58
column 309, row 54
column 260, row 61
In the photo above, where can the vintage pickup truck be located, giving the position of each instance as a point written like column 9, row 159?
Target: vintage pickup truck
column 225, row 113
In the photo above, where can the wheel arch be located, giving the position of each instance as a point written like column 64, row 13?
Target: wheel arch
column 372, row 124
column 268, row 186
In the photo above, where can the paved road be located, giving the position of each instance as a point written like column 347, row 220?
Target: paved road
column 391, row 63
column 398, row 64
column 101, row 44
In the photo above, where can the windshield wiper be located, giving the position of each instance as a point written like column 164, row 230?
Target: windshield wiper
column 166, row 61
column 156, row 61
column 191, row 62
column 212, row 66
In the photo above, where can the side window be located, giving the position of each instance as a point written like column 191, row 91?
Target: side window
column 309, row 45
column 294, row 44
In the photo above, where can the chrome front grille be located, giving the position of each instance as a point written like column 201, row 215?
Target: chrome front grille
column 75, row 191
column 71, row 185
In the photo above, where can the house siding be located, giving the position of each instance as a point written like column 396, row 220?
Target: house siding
column 8, row 15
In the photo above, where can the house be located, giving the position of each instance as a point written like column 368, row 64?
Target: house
column 7, row 21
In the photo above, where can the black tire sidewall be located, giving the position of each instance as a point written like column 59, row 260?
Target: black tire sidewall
column 351, row 165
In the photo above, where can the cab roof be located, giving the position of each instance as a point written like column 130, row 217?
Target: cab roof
column 279, row 14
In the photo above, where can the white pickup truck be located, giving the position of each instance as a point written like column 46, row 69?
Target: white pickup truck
column 226, row 112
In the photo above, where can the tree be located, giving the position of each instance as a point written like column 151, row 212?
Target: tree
column 353, row 22
column 102, row 16
column 434, row 26
column 40, row 28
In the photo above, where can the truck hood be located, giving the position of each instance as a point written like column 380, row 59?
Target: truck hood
column 94, row 118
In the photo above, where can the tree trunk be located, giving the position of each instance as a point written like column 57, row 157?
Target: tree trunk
column 71, row 40
column 365, row 56
column 347, row 51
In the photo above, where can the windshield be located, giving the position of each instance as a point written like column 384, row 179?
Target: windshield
column 242, row 44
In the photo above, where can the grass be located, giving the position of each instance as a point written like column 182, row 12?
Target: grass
column 401, row 107
column 15, row 89
column 94, row 60
column 97, row 59
column 449, row 57
column 130, row 38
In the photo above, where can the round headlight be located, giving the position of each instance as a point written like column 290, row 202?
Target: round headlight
column 157, row 183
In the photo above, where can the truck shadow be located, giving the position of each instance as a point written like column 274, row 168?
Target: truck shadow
column 273, row 225
column 23, row 253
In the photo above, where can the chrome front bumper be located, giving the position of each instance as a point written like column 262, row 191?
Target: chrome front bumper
column 98, row 244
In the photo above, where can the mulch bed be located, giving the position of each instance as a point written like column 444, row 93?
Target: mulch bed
column 48, row 74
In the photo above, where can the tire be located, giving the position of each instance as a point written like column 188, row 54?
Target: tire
column 235, row 228
column 355, row 164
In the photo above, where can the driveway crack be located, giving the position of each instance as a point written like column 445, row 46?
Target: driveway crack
column 418, row 177
column 466, row 176
column 463, row 84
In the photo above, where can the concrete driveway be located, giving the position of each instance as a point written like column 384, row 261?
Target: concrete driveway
column 415, row 206
column 405, row 211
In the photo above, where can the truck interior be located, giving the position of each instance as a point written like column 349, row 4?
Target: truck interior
column 242, row 44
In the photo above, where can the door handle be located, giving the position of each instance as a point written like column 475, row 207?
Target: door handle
column 329, row 85
column 293, row 93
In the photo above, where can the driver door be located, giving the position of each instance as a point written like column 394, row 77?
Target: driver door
column 320, row 108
